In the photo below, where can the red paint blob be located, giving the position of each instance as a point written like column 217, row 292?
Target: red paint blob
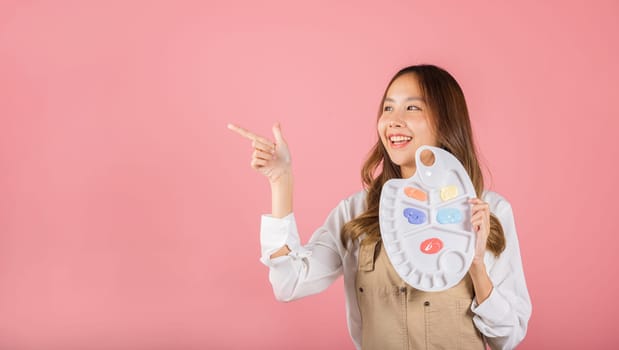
column 431, row 246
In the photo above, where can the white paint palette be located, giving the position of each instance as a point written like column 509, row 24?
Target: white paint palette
column 425, row 222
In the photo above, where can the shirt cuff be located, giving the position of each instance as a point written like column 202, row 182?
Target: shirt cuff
column 494, row 310
column 276, row 233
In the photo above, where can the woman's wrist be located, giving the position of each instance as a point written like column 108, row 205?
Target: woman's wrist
column 283, row 180
column 481, row 281
column 281, row 195
column 478, row 267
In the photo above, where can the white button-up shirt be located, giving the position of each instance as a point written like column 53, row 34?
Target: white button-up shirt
column 309, row 269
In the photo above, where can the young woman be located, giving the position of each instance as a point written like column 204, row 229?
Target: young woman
column 422, row 105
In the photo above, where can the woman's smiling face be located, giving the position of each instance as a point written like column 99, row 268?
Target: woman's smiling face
column 405, row 123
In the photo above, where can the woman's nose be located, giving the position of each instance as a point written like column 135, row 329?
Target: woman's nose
column 395, row 123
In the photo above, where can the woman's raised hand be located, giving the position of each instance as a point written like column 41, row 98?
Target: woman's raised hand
column 480, row 219
column 271, row 159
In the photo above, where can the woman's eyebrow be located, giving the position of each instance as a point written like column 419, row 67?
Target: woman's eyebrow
column 389, row 99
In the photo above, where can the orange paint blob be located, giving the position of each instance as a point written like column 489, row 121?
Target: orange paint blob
column 416, row 193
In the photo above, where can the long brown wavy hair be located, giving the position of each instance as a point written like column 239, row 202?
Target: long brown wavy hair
column 450, row 118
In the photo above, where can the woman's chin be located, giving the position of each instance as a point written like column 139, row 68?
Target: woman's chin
column 403, row 162
column 406, row 168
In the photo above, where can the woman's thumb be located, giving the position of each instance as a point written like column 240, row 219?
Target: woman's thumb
column 277, row 132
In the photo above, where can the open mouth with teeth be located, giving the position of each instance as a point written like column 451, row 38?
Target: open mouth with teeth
column 398, row 141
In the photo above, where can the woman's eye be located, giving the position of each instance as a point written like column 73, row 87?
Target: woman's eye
column 387, row 108
column 413, row 108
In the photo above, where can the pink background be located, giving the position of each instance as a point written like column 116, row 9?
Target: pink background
column 129, row 214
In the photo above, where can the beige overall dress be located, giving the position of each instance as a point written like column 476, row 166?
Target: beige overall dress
column 395, row 315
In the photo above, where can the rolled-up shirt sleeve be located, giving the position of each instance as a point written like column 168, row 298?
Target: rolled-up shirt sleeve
column 503, row 317
column 307, row 269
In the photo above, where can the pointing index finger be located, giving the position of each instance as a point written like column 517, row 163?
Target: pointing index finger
column 250, row 135
column 243, row 132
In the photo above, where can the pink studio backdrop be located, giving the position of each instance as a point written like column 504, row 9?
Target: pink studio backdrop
column 129, row 214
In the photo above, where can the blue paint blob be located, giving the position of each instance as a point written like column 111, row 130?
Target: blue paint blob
column 449, row 216
column 415, row 216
